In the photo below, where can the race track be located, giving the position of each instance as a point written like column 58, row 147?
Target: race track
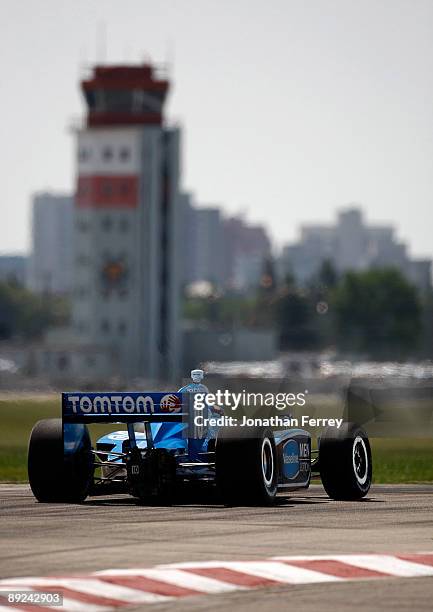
column 39, row 539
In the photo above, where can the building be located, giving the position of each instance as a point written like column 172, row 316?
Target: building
column 127, row 222
column 13, row 269
column 351, row 244
column 209, row 246
column 419, row 273
column 51, row 262
column 189, row 237
column 247, row 247
column 225, row 251
column 202, row 243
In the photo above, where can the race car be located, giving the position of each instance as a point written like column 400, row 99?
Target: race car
column 162, row 452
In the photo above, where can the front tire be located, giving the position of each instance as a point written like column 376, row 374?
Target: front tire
column 246, row 466
column 345, row 462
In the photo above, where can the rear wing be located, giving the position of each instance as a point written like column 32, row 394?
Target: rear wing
column 125, row 407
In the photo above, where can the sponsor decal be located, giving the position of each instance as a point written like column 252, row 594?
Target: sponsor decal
column 121, row 403
column 170, row 403
column 304, row 457
column 304, row 450
column 291, row 459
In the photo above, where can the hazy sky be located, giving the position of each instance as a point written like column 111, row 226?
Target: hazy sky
column 290, row 109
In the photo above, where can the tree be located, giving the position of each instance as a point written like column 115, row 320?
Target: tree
column 26, row 315
column 327, row 275
column 377, row 312
column 268, row 282
column 320, row 288
column 426, row 344
column 266, row 294
column 221, row 310
column 294, row 315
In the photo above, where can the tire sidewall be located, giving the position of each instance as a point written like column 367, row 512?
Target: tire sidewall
column 267, row 450
column 363, row 480
column 337, row 463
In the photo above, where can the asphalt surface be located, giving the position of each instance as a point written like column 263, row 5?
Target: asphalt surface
column 38, row 539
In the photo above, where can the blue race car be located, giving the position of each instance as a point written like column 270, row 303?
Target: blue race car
column 163, row 451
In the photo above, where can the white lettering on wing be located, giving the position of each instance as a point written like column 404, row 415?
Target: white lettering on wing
column 116, row 399
column 145, row 404
column 86, row 404
column 100, row 402
column 74, row 399
column 128, row 404
column 109, row 404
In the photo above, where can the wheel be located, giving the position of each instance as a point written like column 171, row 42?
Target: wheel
column 60, row 470
column 246, row 465
column 345, row 462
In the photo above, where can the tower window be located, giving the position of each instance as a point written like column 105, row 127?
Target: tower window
column 105, row 326
column 124, row 154
column 83, row 154
column 122, row 328
column 107, row 153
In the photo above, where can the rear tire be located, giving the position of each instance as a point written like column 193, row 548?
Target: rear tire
column 246, row 466
column 56, row 475
column 345, row 462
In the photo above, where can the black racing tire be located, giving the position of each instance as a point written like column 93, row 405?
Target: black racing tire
column 246, row 466
column 53, row 476
column 345, row 462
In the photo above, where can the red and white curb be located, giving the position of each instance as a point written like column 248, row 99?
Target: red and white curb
column 118, row 588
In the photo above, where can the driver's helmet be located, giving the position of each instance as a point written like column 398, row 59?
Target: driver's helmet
column 195, row 386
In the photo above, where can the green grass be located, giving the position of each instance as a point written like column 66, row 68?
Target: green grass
column 395, row 460
column 402, row 460
column 17, row 418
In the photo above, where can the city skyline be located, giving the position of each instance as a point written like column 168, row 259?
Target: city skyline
column 225, row 250
column 351, row 243
column 319, row 107
column 243, row 217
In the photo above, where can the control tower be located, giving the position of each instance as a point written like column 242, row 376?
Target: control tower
column 126, row 290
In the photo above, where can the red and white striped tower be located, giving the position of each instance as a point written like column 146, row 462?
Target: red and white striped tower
column 126, row 222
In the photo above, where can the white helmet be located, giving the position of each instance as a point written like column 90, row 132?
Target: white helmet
column 197, row 375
